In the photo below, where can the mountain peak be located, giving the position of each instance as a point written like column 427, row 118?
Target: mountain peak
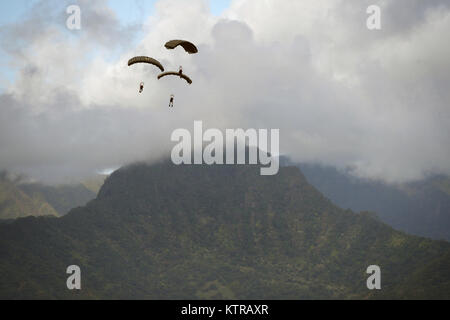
column 164, row 231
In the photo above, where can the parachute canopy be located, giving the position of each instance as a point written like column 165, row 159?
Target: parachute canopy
column 187, row 46
column 143, row 59
column 173, row 73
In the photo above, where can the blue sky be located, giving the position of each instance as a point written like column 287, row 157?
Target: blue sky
column 128, row 12
column 12, row 10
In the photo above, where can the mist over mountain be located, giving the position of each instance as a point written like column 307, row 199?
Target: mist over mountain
column 346, row 84
column 199, row 232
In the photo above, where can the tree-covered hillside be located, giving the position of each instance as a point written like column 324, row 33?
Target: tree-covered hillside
column 15, row 203
column 21, row 199
column 62, row 197
column 200, row 232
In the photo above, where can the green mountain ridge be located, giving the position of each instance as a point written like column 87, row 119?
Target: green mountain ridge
column 18, row 199
column 62, row 198
column 216, row 232
column 15, row 203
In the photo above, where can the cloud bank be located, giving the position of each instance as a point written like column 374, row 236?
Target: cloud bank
column 373, row 101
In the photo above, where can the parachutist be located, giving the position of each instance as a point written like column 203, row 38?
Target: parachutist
column 148, row 60
column 171, row 101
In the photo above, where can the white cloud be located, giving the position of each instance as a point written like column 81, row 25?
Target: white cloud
column 376, row 101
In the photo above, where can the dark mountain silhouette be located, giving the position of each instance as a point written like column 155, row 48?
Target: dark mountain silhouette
column 171, row 232
column 421, row 208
